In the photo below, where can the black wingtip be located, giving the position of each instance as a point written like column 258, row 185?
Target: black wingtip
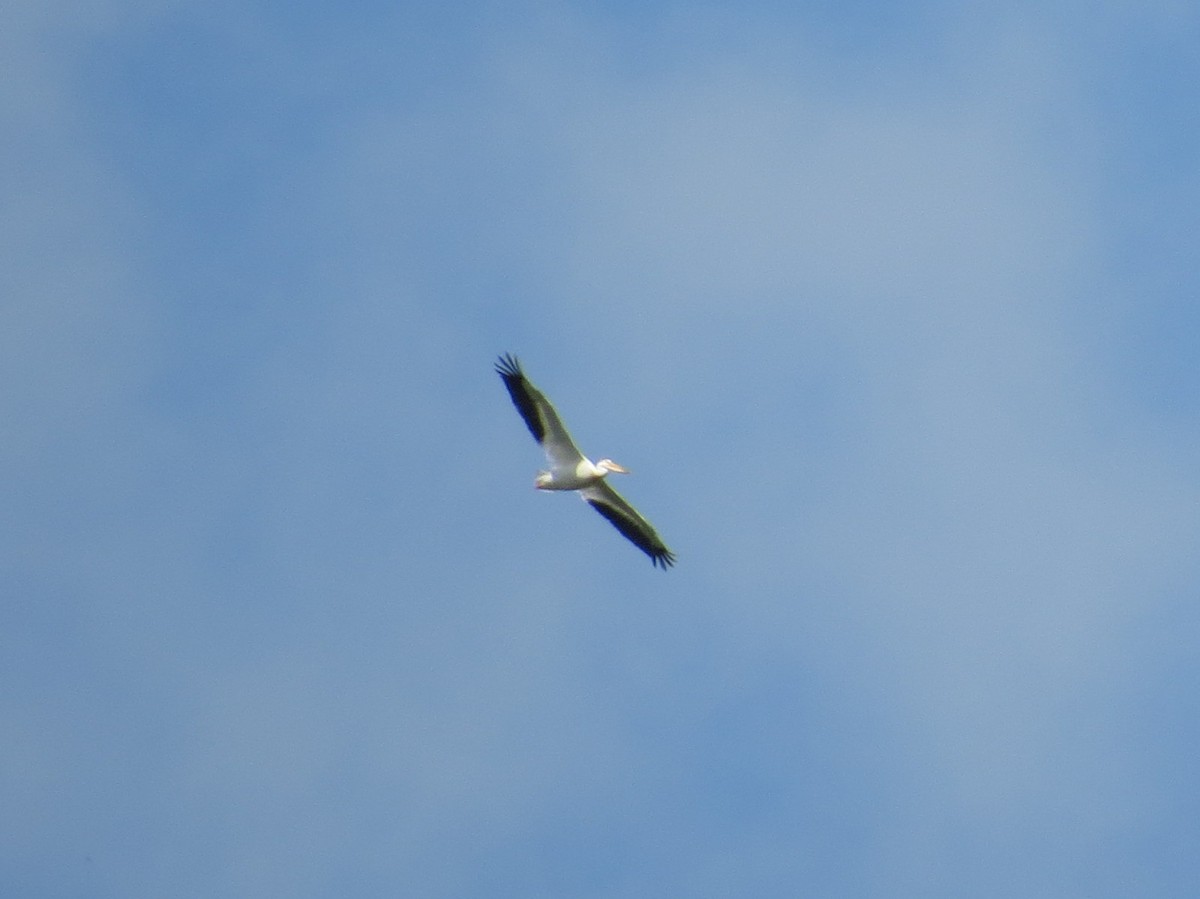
column 508, row 366
column 660, row 556
column 523, row 395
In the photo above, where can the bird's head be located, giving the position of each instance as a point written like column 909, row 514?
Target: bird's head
column 543, row 479
column 609, row 465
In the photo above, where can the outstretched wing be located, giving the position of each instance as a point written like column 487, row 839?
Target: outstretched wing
column 541, row 419
column 625, row 518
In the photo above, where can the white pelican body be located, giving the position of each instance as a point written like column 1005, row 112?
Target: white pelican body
column 572, row 470
column 584, row 473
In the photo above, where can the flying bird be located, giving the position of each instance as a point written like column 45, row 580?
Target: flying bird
column 572, row 470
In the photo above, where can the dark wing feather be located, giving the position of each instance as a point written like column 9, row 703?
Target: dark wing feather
column 523, row 394
column 543, row 422
column 625, row 519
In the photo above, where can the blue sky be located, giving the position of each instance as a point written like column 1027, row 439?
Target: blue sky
column 892, row 313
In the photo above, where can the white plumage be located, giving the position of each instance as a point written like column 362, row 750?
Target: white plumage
column 572, row 470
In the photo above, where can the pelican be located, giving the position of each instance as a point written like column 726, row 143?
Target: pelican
column 572, row 470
